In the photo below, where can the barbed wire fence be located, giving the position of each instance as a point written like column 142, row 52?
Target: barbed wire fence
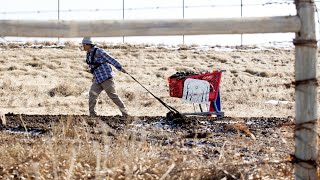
column 142, row 8
column 287, row 85
column 184, row 7
column 287, row 161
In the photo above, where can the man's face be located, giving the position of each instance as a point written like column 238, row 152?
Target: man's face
column 86, row 47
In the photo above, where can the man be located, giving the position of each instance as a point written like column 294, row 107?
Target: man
column 100, row 63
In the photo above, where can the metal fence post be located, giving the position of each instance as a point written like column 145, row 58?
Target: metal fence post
column 182, row 18
column 123, row 18
column 241, row 16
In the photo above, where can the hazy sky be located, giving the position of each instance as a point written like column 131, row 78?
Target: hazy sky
column 155, row 9
column 166, row 8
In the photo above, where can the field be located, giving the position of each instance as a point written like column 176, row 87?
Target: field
column 48, row 135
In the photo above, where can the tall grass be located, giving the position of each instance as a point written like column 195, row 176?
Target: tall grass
column 75, row 150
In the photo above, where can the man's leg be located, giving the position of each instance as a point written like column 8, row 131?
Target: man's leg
column 94, row 92
column 109, row 87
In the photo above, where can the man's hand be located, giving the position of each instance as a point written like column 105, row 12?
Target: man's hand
column 124, row 71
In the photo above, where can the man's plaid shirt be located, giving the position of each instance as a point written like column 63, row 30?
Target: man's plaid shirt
column 104, row 71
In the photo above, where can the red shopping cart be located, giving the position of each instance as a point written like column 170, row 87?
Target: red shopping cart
column 198, row 88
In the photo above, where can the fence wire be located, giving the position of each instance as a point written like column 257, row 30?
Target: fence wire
column 156, row 8
column 285, row 2
column 286, row 85
column 293, row 159
column 288, row 161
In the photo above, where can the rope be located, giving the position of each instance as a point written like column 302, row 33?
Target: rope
column 163, row 103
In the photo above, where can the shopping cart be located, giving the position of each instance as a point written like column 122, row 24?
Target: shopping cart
column 198, row 89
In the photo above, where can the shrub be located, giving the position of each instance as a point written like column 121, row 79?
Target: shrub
column 65, row 90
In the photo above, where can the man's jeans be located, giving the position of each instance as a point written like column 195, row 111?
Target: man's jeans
column 109, row 87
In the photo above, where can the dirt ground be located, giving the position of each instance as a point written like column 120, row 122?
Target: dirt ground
column 241, row 148
column 44, row 94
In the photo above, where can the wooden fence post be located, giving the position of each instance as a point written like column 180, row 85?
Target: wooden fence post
column 306, row 121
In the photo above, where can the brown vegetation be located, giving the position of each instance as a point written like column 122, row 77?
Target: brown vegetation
column 42, row 80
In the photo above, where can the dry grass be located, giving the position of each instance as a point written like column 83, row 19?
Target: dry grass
column 56, row 81
column 74, row 150
column 61, row 79
column 66, row 90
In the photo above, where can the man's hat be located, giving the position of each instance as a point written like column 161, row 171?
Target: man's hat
column 87, row 40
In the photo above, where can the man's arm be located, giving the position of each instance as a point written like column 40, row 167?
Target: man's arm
column 102, row 57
